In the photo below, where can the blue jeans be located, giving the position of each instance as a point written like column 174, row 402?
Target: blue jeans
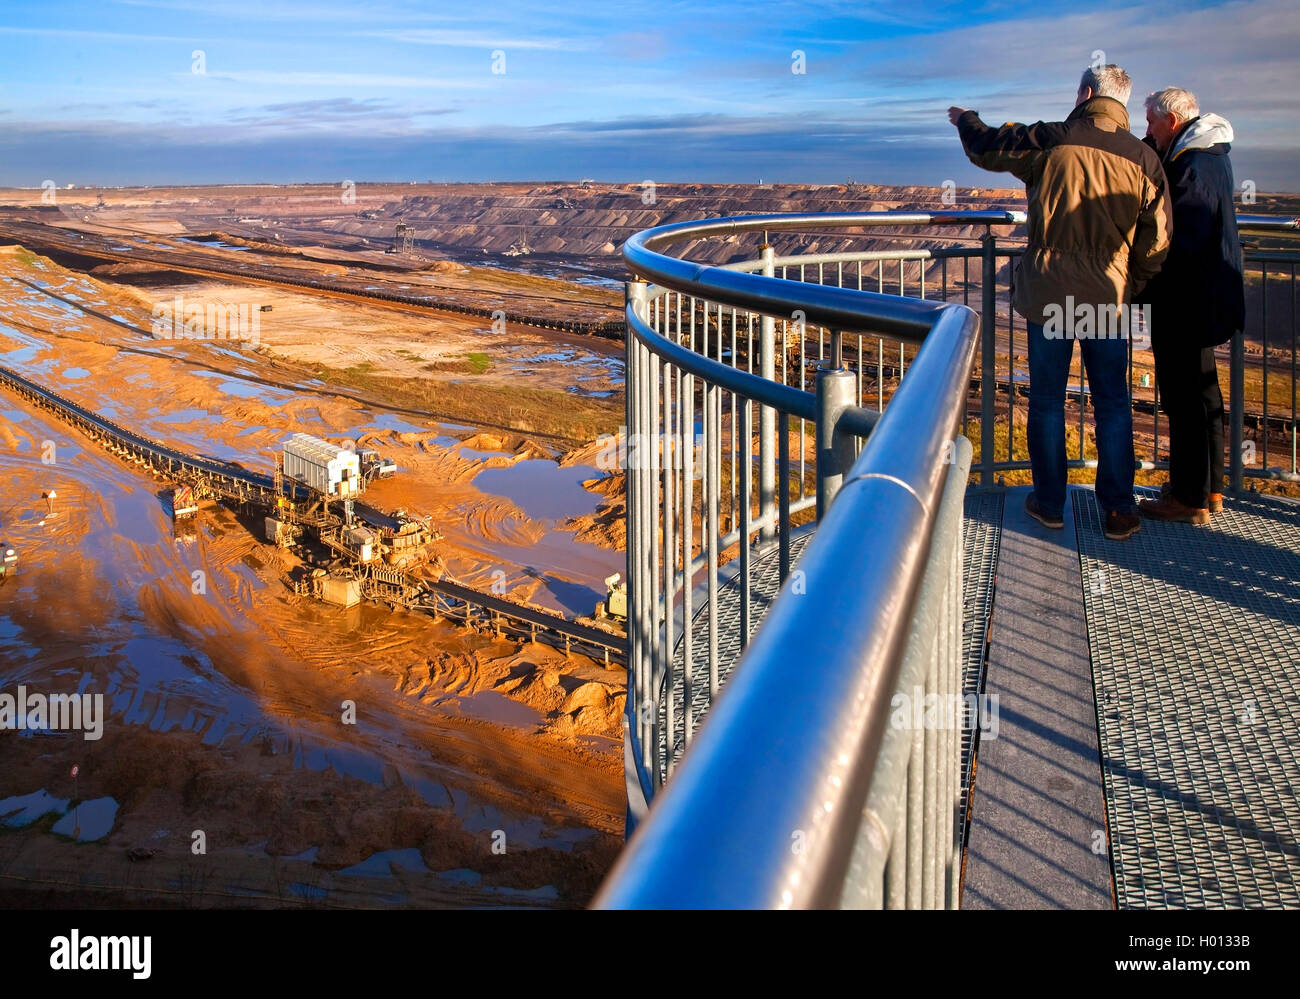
column 1106, row 362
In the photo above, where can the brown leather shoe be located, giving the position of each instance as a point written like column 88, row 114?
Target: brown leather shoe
column 1216, row 499
column 1122, row 526
column 1169, row 509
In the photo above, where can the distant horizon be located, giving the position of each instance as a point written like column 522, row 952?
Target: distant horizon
column 180, row 93
column 1014, row 188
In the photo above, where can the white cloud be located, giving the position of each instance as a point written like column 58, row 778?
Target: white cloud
column 457, row 38
column 274, row 78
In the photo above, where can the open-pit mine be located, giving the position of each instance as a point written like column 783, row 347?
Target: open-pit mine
column 306, row 484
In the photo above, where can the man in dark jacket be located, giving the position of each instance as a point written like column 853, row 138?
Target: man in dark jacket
column 1197, row 301
column 1098, row 231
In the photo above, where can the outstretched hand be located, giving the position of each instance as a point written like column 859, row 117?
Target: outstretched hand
column 954, row 113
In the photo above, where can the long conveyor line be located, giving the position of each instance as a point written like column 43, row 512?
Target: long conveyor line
column 235, row 484
column 609, row 330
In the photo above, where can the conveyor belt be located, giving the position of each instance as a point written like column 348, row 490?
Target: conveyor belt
column 45, row 237
column 532, row 616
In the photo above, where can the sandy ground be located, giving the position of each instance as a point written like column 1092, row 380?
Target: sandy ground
column 226, row 705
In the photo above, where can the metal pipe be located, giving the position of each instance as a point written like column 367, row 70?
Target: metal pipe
column 766, row 414
column 835, row 450
column 988, row 359
column 1236, row 410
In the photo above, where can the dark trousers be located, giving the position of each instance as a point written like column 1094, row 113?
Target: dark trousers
column 1188, row 380
column 1106, row 362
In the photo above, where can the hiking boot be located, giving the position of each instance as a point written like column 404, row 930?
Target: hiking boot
column 1168, row 508
column 1047, row 520
column 1122, row 526
column 1216, row 499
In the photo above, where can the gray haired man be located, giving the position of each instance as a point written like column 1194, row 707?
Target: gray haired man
column 1197, row 300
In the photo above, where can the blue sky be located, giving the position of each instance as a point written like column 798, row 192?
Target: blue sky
column 107, row 92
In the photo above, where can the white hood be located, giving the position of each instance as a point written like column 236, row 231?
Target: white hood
column 1206, row 131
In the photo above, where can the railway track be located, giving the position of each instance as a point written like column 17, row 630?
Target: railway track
column 234, row 484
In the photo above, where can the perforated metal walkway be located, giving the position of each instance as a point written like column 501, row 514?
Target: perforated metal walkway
column 765, row 582
column 1194, row 634
column 982, row 528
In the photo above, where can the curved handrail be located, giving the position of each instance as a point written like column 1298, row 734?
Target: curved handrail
column 835, row 308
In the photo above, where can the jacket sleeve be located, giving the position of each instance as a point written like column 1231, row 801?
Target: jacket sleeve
column 1011, row 149
column 1151, row 240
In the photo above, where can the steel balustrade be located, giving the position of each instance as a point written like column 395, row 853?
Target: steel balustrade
column 793, row 794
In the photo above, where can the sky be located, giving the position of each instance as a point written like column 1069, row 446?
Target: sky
column 121, row 92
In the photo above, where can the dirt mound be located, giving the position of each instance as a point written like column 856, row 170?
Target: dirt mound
column 607, row 525
column 570, row 699
column 600, row 453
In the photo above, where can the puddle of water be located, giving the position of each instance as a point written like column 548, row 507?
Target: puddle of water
column 23, row 355
column 389, row 421
column 188, row 416
column 251, row 390
column 76, row 373
column 382, row 864
column 541, row 488
column 89, row 821
column 213, row 243
column 462, row 876
column 24, row 809
column 240, row 388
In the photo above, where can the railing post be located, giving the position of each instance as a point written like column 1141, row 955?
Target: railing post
column 836, row 391
column 988, row 358
column 639, row 580
column 766, row 414
column 1236, row 409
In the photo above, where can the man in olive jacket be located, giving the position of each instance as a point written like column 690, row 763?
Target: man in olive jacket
column 1197, row 300
column 1098, row 226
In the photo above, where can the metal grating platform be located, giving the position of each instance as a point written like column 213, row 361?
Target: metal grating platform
column 981, row 531
column 981, row 538
column 764, row 585
column 1195, row 644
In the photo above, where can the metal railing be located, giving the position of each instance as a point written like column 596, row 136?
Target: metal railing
column 702, row 569
column 804, row 350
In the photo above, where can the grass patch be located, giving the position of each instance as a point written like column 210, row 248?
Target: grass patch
column 478, row 362
column 573, row 418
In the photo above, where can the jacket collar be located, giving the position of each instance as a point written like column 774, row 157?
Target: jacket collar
column 1102, row 107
